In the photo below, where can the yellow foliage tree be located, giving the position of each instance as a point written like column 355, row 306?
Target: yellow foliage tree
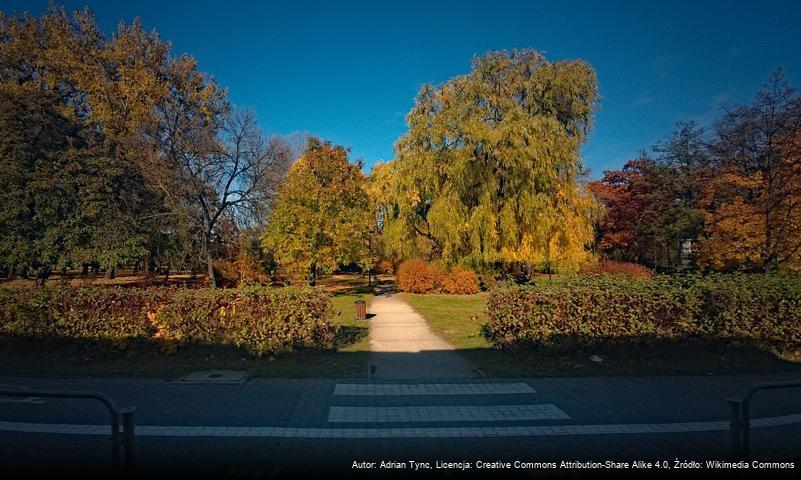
column 752, row 199
column 488, row 171
column 320, row 217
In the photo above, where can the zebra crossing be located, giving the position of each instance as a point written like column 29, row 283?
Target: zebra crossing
column 507, row 409
column 473, row 409
column 402, row 389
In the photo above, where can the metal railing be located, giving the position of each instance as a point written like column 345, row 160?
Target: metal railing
column 123, row 445
column 740, row 419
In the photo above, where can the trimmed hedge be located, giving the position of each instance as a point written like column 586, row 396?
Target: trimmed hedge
column 765, row 308
column 588, row 311
column 257, row 319
column 419, row 276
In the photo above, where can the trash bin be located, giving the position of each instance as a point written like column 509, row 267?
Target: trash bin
column 361, row 310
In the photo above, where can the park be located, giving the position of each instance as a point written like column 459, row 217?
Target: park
column 260, row 304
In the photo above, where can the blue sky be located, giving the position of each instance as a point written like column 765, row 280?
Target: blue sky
column 349, row 71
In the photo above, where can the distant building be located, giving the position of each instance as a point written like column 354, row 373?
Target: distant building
column 687, row 253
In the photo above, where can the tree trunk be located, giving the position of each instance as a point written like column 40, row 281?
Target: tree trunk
column 167, row 274
column 767, row 260
column 528, row 271
column 110, row 273
column 313, row 275
column 10, row 274
column 212, row 278
column 41, row 276
column 84, row 269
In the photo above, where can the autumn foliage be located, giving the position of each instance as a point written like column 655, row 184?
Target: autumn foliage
column 419, row 276
column 612, row 267
column 724, row 199
column 320, row 216
column 460, row 281
column 617, row 190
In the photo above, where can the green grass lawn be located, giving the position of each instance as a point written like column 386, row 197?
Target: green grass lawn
column 459, row 318
column 31, row 357
column 456, row 318
column 353, row 334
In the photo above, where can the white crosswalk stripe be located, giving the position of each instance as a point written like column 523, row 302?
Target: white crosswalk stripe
column 461, row 413
column 502, row 412
column 402, row 389
column 415, row 432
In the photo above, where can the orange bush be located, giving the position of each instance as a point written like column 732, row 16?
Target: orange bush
column 461, row 281
column 611, row 267
column 418, row 276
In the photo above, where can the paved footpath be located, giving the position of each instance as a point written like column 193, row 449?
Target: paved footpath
column 402, row 345
column 268, row 426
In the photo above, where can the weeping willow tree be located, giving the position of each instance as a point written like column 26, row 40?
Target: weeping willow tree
column 488, row 172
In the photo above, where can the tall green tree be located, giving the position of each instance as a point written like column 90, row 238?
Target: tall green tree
column 131, row 153
column 488, row 171
column 320, row 217
column 81, row 195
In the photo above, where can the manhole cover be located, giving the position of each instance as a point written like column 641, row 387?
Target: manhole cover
column 216, row 376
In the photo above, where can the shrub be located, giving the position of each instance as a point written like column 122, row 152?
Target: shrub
column 460, row 281
column 418, row 276
column 611, row 267
column 765, row 310
column 589, row 310
column 487, row 281
column 257, row 319
column 761, row 308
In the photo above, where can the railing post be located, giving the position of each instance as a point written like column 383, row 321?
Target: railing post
column 129, row 438
column 115, row 440
column 746, row 426
column 115, row 417
column 738, row 426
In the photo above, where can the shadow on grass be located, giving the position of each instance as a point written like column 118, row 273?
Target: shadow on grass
column 348, row 335
column 356, row 290
column 638, row 355
column 356, row 285
column 144, row 358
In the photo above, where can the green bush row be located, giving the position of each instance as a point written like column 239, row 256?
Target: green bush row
column 585, row 310
column 258, row 319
